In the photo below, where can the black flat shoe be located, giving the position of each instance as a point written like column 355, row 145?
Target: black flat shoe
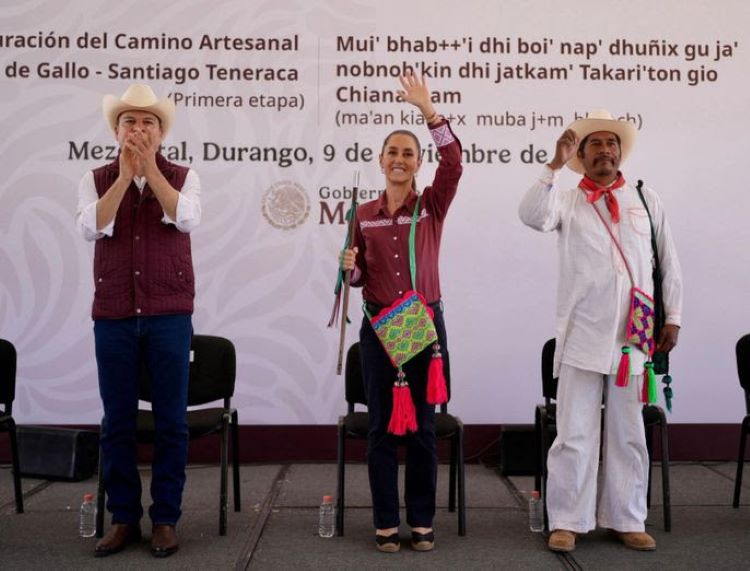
column 388, row 543
column 422, row 541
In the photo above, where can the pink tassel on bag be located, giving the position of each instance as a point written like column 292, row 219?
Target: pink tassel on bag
column 403, row 415
column 437, row 390
column 623, row 371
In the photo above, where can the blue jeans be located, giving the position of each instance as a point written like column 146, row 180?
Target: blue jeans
column 163, row 343
column 378, row 375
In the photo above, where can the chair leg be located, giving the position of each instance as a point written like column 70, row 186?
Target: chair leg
column 341, row 458
column 461, row 481
column 100, row 493
column 537, row 450
column 543, row 451
column 223, row 492
column 740, row 461
column 236, row 462
column 665, row 491
column 17, row 489
column 452, row 474
column 650, row 449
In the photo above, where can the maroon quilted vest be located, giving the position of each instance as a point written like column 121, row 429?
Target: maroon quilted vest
column 146, row 267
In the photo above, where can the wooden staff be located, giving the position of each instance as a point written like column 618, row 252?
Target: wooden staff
column 347, row 276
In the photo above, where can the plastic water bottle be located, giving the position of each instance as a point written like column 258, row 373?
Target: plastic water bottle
column 87, row 527
column 326, row 524
column 536, row 520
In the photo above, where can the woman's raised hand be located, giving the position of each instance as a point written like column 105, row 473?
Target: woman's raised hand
column 417, row 93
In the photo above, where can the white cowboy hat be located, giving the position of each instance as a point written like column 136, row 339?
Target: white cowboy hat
column 601, row 120
column 138, row 97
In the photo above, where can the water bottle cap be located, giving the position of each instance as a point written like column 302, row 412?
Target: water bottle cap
column 327, row 499
column 535, row 494
column 88, row 497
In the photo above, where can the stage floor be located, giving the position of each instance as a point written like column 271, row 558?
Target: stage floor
column 277, row 527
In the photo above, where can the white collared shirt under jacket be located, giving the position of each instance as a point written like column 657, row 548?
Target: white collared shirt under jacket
column 593, row 294
column 188, row 210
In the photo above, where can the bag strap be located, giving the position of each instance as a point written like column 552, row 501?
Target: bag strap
column 412, row 253
column 660, row 359
column 654, row 247
column 619, row 248
column 412, row 240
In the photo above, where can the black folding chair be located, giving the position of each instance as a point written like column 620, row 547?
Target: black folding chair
column 545, row 422
column 354, row 424
column 8, row 359
column 212, row 378
column 743, row 370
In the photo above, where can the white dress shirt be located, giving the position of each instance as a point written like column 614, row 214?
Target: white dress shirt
column 593, row 294
column 188, row 211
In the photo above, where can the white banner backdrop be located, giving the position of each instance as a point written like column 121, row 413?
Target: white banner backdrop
column 279, row 103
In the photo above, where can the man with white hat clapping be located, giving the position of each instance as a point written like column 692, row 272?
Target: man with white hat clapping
column 140, row 210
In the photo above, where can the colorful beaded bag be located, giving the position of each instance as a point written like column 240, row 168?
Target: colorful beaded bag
column 639, row 330
column 405, row 328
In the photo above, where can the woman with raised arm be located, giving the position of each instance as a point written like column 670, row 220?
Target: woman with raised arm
column 394, row 258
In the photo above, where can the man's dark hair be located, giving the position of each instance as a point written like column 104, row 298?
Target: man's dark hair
column 586, row 138
column 121, row 113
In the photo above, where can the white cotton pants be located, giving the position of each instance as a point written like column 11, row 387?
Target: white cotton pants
column 573, row 460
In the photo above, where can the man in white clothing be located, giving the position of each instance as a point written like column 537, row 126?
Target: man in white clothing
column 605, row 250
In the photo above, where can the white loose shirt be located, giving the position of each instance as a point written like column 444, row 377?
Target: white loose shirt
column 593, row 293
column 188, row 211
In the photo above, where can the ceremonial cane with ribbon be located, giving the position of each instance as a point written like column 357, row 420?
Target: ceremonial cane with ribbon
column 343, row 282
column 660, row 359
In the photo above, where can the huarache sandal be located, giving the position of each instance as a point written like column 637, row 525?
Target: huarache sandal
column 388, row 543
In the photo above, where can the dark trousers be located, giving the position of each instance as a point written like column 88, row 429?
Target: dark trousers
column 163, row 344
column 421, row 447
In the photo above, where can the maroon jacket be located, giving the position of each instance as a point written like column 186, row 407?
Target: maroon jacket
column 145, row 267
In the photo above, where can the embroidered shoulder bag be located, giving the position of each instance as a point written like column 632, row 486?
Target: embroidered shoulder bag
column 405, row 328
column 639, row 329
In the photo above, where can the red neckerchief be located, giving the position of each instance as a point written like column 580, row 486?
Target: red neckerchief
column 594, row 192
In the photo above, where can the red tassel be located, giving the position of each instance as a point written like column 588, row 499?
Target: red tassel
column 403, row 415
column 437, row 390
column 623, row 371
column 644, row 388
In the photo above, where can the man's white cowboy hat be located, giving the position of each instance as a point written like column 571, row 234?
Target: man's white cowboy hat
column 601, row 120
column 138, row 97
